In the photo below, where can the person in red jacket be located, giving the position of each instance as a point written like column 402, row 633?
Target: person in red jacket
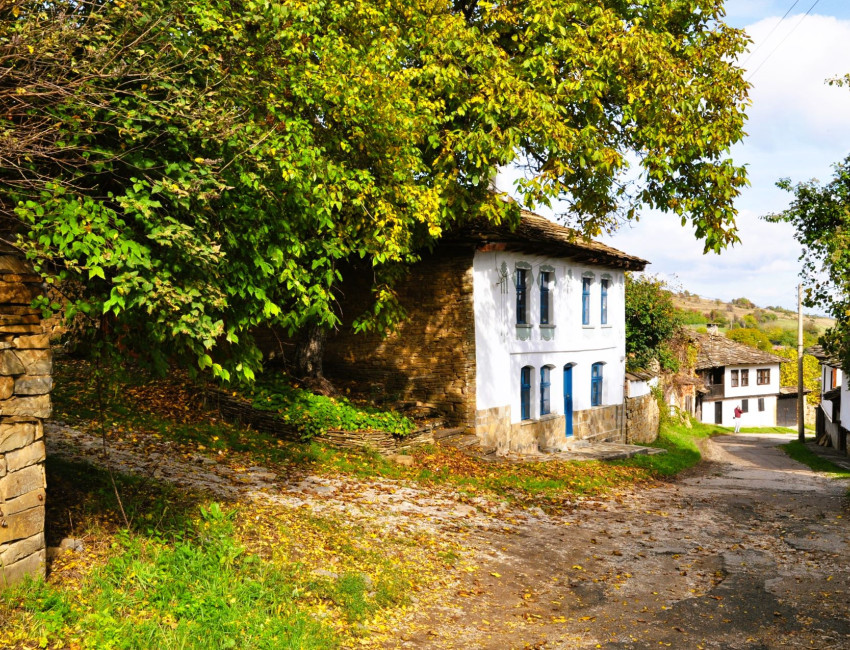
column 737, row 419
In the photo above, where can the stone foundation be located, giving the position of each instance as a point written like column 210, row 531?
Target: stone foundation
column 494, row 429
column 642, row 419
column 25, row 384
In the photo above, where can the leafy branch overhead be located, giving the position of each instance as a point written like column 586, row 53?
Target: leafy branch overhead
column 195, row 169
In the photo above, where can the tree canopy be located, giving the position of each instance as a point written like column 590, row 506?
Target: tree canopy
column 189, row 170
column 651, row 322
column 820, row 214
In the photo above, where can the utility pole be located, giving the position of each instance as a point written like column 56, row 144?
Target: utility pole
column 801, row 425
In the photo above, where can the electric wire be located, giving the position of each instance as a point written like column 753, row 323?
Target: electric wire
column 770, row 33
column 793, row 29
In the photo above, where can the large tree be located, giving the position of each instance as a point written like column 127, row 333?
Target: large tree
column 820, row 214
column 191, row 169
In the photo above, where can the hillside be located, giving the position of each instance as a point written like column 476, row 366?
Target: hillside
column 715, row 310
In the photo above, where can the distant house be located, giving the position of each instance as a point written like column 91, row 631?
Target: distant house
column 833, row 412
column 518, row 335
column 734, row 374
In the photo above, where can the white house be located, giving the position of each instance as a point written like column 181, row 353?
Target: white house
column 517, row 334
column 735, row 374
column 834, row 408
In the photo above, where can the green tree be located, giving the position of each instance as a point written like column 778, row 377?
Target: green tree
column 820, row 214
column 750, row 336
column 189, row 170
column 651, row 322
column 811, row 373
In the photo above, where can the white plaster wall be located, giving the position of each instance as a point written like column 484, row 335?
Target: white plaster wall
column 845, row 400
column 753, row 418
column 753, row 388
column 500, row 354
column 641, row 388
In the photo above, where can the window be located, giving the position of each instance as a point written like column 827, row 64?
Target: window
column 745, row 378
column 545, row 296
column 734, row 378
column 596, row 384
column 745, row 406
column 761, row 403
column 521, row 296
column 545, row 404
column 525, row 393
column 585, row 300
column 763, row 376
column 603, row 316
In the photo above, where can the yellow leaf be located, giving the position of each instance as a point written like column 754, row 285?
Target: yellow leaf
column 495, row 575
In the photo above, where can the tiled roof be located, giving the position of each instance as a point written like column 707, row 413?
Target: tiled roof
column 820, row 354
column 788, row 391
column 540, row 235
column 716, row 350
column 640, row 375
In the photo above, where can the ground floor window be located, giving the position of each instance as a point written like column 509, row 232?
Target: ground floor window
column 545, row 401
column 745, row 406
column 596, row 384
column 525, row 392
column 761, row 403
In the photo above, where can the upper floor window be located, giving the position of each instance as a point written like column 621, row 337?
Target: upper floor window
column 525, row 393
column 745, row 378
column 734, row 380
column 545, row 297
column 545, row 393
column 596, row 384
column 585, row 300
column 763, row 376
column 521, row 296
column 603, row 316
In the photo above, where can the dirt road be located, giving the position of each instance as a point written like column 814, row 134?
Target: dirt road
column 751, row 551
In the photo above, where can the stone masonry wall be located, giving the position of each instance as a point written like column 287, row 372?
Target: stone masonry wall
column 642, row 419
column 430, row 358
column 599, row 424
column 25, row 384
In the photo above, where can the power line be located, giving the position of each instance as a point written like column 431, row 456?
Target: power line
column 767, row 38
column 793, row 29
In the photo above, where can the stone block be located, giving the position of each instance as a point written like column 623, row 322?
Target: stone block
column 7, row 387
column 32, row 565
column 37, row 406
column 17, row 293
column 24, row 502
column 19, row 328
column 25, row 456
column 32, row 385
column 15, row 551
column 36, row 362
column 32, row 342
column 19, row 525
column 15, row 435
column 10, row 364
column 23, row 481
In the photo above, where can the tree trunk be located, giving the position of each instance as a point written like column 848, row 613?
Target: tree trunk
column 309, row 353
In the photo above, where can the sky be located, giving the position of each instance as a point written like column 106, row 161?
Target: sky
column 798, row 127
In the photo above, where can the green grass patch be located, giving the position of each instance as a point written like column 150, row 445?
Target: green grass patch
column 313, row 414
column 679, row 441
column 802, row 454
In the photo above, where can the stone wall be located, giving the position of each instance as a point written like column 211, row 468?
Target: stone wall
column 430, row 358
column 25, row 384
column 599, row 424
column 642, row 419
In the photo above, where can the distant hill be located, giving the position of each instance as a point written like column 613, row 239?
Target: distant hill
column 702, row 310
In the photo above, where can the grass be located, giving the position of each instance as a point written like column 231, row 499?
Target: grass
column 802, row 454
column 680, row 443
column 191, row 572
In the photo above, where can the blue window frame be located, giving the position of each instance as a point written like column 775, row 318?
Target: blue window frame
column 545, row 278
column 521, row 296
column 596, row 384
column 585, row 301
column 603, row 316
column 525, row 393
column 545, row 403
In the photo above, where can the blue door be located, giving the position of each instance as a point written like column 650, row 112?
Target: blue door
column 568, row 398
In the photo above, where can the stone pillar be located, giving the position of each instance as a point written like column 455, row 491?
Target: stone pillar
column 25, row 384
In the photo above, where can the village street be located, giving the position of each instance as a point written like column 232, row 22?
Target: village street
column 747, row 551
